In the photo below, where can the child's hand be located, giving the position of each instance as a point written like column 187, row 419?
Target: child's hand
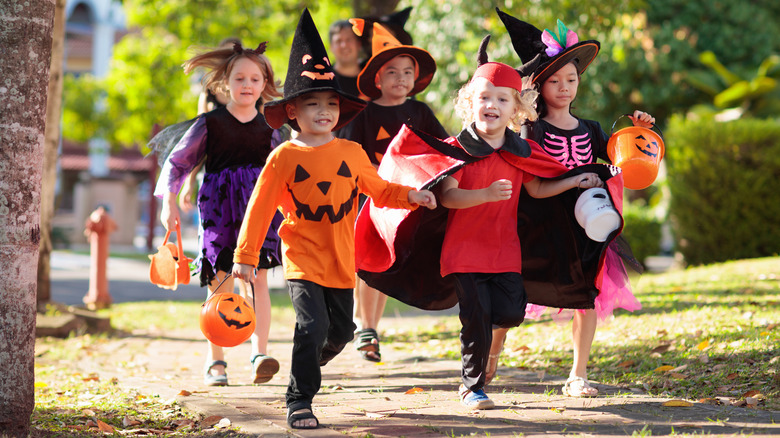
column 642, row 119
column 244, row 272
column 588, row 180
column 424, row 198
column 500, row 190
column 169, row 214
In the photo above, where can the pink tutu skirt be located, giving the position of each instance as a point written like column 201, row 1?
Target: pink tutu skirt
column 614, row 292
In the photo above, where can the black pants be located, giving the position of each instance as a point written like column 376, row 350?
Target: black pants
column 486, row 300
column 323, row 327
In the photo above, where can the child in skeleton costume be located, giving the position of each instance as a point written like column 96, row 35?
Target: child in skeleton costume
column 235, row 140
column 556, row 62
column 393, row 74
column 315, row 179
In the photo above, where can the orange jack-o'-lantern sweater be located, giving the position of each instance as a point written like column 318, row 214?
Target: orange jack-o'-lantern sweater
column 317, row 190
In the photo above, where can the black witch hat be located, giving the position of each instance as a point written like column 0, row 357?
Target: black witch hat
column 544, row 53
column 309, row 70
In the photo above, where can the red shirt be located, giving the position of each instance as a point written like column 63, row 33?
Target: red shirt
column 484, row 238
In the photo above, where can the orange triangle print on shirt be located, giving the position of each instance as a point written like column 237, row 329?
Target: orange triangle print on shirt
column 382, row 134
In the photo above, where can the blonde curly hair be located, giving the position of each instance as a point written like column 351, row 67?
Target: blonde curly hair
column 526, row 101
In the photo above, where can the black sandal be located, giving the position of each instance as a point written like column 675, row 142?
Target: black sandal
column 367, row 343
column 293, row 416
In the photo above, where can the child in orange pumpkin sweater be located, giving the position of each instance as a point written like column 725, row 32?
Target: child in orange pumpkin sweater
column 315, row 180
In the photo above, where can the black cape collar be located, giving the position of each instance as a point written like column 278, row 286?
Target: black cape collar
column 478, row 148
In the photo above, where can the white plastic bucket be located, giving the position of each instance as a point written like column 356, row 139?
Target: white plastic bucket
column 596, row 214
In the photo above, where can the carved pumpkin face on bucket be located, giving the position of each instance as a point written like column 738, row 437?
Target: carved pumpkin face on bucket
column 646, row 146
column 227, row 319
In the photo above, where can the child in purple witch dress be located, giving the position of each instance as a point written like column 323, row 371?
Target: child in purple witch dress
column 233, row 142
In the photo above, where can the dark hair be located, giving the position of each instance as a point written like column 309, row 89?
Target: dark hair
column 337, row 26
column 541, row 105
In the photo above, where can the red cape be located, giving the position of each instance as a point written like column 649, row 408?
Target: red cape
column 398, row 251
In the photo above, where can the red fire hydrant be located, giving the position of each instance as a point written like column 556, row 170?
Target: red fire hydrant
column 98, row 227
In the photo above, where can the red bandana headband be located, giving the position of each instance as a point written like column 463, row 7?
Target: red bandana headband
column 500, row 75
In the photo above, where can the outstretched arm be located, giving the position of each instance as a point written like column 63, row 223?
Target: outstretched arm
column 544, row 188
column 454, row 197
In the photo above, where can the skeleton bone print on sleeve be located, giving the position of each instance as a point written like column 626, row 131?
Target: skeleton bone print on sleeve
column 569, row 152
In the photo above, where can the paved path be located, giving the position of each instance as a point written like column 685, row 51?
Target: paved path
column 411, row 394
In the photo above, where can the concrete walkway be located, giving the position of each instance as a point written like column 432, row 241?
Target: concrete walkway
column 410, row 394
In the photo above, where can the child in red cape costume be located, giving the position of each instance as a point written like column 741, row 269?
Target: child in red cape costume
column 398, row 251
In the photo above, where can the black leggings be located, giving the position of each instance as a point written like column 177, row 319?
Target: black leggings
column 485, row 300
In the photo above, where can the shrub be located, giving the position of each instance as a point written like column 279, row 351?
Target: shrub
column 723, row 180
column 642, row 230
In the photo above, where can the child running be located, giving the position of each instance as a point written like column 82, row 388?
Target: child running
column 484, row 195
column 560, row 61
column 234, row 140
column 315, row 180
column 393, row 74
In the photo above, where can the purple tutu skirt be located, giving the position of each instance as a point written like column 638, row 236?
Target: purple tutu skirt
column 614, row 292
column 222, row 202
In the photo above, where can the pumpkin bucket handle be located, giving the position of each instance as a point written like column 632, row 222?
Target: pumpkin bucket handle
column 612, row 131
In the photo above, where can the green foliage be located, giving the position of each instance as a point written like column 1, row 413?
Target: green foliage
column 146, row 85
column 756, row 94
column 642, row 230
column 648, row 55
column 723, row 181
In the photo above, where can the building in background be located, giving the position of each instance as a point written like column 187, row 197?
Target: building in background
column 91, row 174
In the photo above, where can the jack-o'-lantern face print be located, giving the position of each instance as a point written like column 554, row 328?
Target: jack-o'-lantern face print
column 314, row 68
column 647, row 147
column 322, row 192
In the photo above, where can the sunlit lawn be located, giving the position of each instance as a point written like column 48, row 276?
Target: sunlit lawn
column 708, row 333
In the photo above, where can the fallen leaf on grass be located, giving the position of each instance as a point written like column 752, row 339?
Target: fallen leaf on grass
column 522, row 348
column 663, row 368
column 702, row 345
column 678, row 375
column 677, row 403
column 752, row 402
column 732, row 376
column 753, row 393
column 105, row 427
column 626, row 363
column 663, row 348
column 211, row 420
column 130, row 421
column 710, row 401
column 88, row 412
column 91, row 378
column 414, row 390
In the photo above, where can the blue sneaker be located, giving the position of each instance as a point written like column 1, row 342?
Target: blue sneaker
column 475, row 400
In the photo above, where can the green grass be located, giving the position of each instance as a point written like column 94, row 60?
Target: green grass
column 717, row 326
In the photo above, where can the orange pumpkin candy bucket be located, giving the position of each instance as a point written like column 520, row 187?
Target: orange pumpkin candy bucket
column 169, row 267
column 638, row 152
column 227, row 319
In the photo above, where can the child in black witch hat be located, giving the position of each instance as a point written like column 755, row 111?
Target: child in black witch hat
column 556, row 60
column 315, row 180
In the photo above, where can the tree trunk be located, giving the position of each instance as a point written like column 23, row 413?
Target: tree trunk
column 373, row 8
column 50, row 146
column 25, row 44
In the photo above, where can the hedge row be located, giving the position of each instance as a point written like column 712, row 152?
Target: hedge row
column 724, row 179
